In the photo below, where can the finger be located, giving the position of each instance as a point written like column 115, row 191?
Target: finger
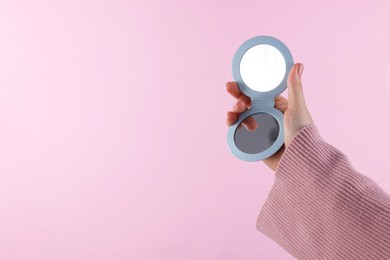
column 231, row 118
column 281, row 103
column 232, row 89
column 239, row 107
column 250, row 124
column 295, row 89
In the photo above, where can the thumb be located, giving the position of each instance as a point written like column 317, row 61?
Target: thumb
column 296, row 99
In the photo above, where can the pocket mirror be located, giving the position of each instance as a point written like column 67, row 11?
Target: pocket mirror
column 260, row 67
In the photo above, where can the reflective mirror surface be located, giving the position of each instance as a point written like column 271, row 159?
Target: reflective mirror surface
column 262, row 67
column 264, row 130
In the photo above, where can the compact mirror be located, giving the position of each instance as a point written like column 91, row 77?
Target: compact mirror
column 260, row 68
column 263, row 132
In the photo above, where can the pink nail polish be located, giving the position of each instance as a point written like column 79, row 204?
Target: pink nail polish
column 300, row 70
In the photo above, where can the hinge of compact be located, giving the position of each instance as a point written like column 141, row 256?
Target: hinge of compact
column 263, row 103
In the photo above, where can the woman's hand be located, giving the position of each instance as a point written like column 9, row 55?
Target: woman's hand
column 296, row 114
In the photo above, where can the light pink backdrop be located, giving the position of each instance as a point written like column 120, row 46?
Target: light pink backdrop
column 113, row 121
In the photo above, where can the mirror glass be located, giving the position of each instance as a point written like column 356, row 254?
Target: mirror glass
column 264, row 130
column 262, row 67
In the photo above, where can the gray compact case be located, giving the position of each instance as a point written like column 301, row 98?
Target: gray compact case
column 260, row 67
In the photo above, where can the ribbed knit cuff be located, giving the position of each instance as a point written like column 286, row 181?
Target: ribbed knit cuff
column 301, row 142
column 321, row 208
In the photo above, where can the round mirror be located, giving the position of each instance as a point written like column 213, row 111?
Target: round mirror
column 262, row 67
column 256, row 133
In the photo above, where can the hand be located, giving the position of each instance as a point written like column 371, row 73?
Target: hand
column 296, row 114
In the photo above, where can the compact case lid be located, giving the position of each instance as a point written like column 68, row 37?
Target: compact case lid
column 250, row 47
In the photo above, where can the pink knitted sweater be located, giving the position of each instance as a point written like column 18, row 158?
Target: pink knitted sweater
column 320, row 207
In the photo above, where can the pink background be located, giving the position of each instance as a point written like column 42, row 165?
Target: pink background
column 113, row 136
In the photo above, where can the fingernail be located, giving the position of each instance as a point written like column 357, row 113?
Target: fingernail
column 300, row 70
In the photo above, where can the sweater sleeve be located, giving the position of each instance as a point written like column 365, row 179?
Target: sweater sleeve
column 320, row 207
